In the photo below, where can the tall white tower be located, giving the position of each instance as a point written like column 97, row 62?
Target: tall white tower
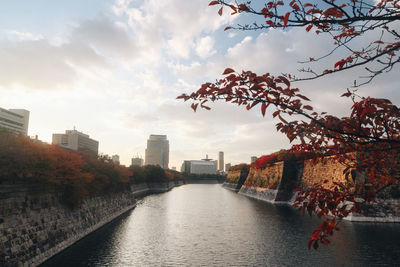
column 157, row 151
column 221, row 161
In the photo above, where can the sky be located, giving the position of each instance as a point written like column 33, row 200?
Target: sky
column 113, row 70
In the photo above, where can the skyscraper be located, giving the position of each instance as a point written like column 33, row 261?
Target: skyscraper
column 157, row 151
column 221, row 161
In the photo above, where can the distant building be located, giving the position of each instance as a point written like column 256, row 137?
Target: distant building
column 157, row 151
column 115, row 159
column 173, row 168
column 204, row 166
column 75, row 140
column 253, row 159
column 227, row 167
column 221, row 161
column 16, row 120
column 137, row 162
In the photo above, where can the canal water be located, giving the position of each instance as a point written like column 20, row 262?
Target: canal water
column 207, row 225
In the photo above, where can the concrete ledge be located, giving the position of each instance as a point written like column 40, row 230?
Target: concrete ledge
column 355, row 218
column 230, row 186
column 268, row 195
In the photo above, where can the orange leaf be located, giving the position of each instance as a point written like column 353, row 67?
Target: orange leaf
column 220, row 11
column 213, row 3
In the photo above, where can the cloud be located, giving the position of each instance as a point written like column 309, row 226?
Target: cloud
column 107, row 37
column 90, row 48
column 204, row 47
column 24, row 35
column 171, row 25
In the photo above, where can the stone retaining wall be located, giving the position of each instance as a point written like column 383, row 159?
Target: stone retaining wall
column 276, row 183
column 328, row 169
column 34, row 226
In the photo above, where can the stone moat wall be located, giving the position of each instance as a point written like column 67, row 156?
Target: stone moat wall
column 275, row 184
column 35, row 226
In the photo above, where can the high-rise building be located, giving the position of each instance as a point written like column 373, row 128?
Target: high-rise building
column 227, row 167
column 157, row 151
column 16, row 120
column 115, row 159
column 221, row 161
column 253, row 159
column 137, row 162
column 75, row 140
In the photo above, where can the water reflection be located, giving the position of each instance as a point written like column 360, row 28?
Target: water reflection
column 206, row 225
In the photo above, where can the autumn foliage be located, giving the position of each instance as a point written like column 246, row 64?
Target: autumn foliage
column 365, row 33
column 75, row 174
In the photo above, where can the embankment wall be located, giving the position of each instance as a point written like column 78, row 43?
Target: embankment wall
column 35, row 226
column 276, row 182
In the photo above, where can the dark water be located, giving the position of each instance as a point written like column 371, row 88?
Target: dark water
column 206, row 225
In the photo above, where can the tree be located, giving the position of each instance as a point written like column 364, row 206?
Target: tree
column 371, row 132
column 365, row 31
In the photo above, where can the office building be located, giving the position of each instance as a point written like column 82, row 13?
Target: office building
column 157, row 151
column 15, row 120
column 137, row 162
column 227, row 167
column 75, row 140
column 204, row 166
column 115, row 159
column 221, row 161
column 253, row 159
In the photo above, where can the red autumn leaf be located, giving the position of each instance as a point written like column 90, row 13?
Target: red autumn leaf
column 346, row 94
column 303, row 97
column 276, row 113
column 309, row 27
column 284, row 80
column 227, row 28
column 220, row 11
column 308, row 107
column 194, row 106
column 213, row 3
column 263, row 108
column 285, row 19
column 227, row 71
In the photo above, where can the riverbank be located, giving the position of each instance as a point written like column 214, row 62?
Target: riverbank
column 382, row 210
column 206, row 225
column 35, row 226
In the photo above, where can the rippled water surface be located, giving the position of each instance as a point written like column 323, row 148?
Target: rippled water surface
column 206, row 225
